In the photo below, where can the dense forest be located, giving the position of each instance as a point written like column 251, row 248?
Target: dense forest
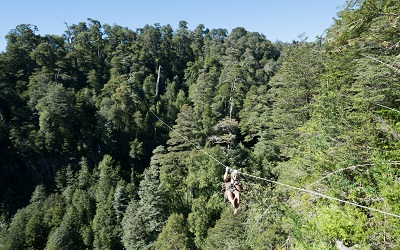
column 113, row 138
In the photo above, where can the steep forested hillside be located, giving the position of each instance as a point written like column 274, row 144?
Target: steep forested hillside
column 113, row 138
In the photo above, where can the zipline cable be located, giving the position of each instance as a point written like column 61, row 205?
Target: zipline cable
column 271, row 181
column 321, row 195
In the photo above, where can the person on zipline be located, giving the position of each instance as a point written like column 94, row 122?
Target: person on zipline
column 233, row 187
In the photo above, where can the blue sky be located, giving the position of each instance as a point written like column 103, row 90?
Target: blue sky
column 282, row 20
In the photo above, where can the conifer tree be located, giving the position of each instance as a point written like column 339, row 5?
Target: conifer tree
column 105, row 225
column 143, row 219
column 174, row 234
column 66, row 236
column 217, row 237
column 174, row 167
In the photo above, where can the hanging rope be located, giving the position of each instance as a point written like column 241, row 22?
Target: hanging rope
column 275, row 182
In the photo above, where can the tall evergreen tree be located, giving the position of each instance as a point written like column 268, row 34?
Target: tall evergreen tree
column 174, row 234
column 105, row 227
column 174, row 167
column 143, row 219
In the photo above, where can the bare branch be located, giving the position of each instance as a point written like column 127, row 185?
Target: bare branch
column 349, row 168
column 386, row 64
